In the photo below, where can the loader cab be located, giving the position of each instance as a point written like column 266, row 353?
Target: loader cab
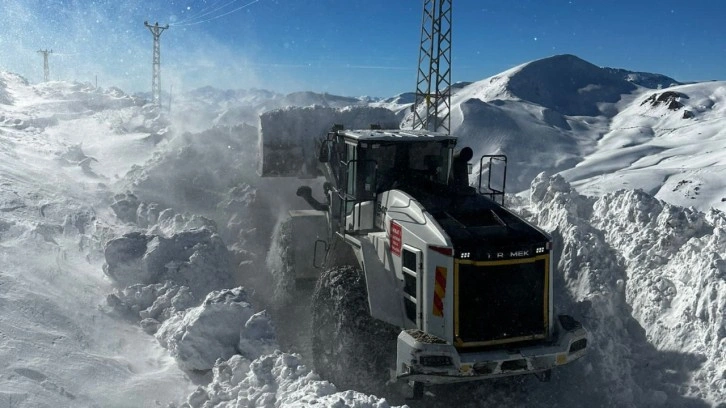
column 377, row 163
column 366, row 163
column 406, row 164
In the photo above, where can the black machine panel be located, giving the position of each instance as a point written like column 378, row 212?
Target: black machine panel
column 502, row 302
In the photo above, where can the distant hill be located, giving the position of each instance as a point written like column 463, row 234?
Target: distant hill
column 568, row 84
column 323, row 99
column 645, row 79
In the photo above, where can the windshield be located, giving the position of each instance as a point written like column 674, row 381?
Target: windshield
column 400, row 164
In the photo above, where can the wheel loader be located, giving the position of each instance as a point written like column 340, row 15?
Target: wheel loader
column 417, row 271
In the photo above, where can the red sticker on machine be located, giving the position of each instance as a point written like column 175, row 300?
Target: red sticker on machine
column 396, row 232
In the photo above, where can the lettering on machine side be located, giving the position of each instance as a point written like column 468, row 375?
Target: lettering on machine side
column 396, row 240
column 513, row 254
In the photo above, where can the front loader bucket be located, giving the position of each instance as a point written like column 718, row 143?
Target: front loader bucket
column 288, row 142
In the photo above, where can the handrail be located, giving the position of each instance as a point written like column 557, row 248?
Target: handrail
column 493, row 192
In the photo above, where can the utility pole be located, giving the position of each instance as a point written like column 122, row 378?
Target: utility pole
column 433, row 82
column 156, row 31
column 46, row 69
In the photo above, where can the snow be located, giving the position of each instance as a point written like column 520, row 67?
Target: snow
column 627, row 261
column 134, row 245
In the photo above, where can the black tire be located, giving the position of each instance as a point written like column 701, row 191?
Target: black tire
column 350, row 348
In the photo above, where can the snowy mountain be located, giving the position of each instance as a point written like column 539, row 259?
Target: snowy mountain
column 562, row 114
column 134, row 245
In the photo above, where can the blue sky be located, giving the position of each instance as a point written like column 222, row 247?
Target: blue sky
column 348, row 47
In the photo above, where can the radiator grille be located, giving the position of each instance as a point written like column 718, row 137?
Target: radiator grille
column 501, row 302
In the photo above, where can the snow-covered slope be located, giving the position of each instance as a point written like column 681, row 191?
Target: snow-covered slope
column 58, row 347
column 598, row 127
column 667, row 142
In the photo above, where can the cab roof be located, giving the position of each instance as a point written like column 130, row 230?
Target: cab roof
column 394, row 135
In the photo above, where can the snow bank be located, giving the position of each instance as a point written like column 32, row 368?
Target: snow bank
column 194, row 168
column 10, row 80
column 275, row 380
column 224, row 324
column 75, row 97
column 5, row 98
column 647, row 280
column 152, row 303
column 168, row 272
column 196, row 258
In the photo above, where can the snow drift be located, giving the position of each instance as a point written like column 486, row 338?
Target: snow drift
column 633, row 264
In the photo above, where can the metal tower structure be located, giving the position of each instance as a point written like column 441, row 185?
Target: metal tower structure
column 156, row 31
column 431, row 111
column 46, row 69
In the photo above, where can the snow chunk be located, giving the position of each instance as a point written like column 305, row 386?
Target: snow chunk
column 203, row 334
column 274, row 381
column 197, row 259
column 257, row 337
column 152, row 303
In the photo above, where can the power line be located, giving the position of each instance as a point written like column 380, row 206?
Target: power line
column 191, row 21
column 156, row 31
column 203, row 14
column 46, row 68
column 196, row 14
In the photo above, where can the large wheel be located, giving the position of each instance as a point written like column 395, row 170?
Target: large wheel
column 350, row 348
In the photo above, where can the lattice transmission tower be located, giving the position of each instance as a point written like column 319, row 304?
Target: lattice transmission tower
column 46, row 68
column 156, row 31
column 431, row 109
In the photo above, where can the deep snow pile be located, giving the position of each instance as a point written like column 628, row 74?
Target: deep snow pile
column 629, row 254
column 276, row 380
column 222, row 332
column 61, row 144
